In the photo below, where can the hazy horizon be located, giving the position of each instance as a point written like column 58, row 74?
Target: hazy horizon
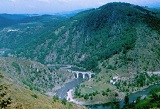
column 58, row 6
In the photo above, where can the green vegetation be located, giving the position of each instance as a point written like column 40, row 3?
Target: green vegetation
column 27, row 30
column 64, row 101
column 140, row 80
column 34, row 75
column 18, row 69
column 96, row 35
column 126, row 100
column 55, row 98
column 152, row 101
column 96, row 89
column 8, row 19
column 15, row 96
column 5, row 103
column 34, row 96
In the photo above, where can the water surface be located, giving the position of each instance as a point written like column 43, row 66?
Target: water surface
column 132, row 97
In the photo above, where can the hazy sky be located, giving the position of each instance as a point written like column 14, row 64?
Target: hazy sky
column 55, row 6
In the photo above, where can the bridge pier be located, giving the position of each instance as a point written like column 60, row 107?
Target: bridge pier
column 83, row 75
column 90, row 76
column 77, row 75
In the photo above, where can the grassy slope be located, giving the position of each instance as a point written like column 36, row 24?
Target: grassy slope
column 23, row 98
column 34, row 74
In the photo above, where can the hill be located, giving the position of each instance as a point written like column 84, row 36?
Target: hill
column 97, row 35
column 34, row 75
column 8, row 19
column 15, row 96
column 26, row 30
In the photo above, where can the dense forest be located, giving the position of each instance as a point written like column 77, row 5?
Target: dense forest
column 95, row 35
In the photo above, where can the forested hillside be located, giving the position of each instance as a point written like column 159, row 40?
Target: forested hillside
column 27, row 30
column 8, row 19
column 96, row 35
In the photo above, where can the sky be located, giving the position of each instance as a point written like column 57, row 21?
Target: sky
column 57, row 6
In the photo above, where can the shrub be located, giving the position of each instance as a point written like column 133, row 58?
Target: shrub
column 34, row 96
column 64, row 101
column 55, row 98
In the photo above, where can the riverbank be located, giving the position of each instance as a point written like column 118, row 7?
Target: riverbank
column 63, row 77
column 143, row 88
column 70, row 98
column 141, row 92
column 61, row 90
column 56, row 88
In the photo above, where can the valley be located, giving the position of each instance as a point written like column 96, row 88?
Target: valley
column 94, row 57
column 16, row 96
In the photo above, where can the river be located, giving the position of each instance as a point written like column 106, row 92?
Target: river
column 132, row 97
column 62, row 92
column 70, row 85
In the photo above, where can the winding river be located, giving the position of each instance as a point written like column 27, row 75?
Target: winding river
column 132, row 97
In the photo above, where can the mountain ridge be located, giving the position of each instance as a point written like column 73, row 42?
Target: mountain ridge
column 95, row 29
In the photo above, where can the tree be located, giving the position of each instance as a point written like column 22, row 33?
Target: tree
column 86, row 97
column 55, row 98
column 34, row 95
column 138, row 99
column 91, row 98
column 77, row 93
column 116, row 94
column 126, row 100
column 117, row 105
column 5, row 103
column 64, row 101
